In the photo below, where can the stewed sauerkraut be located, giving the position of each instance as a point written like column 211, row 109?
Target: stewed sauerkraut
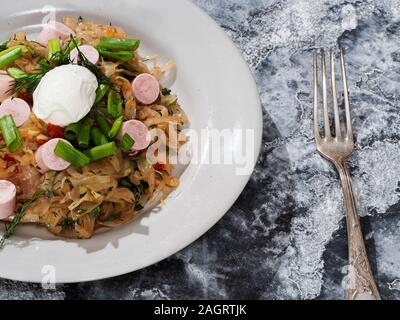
column 108, row 180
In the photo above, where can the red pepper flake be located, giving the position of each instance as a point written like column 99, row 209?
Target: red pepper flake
column 54, row 131
column 41, row 141
column 10, row 161
column 159, row 166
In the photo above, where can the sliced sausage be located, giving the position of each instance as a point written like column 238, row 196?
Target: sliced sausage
column 54, row 30
column 146, row 88
column 47, row 160
column 8, row 198
column 137, row 131
column 17, row 108
column 6, row 84
column 89, row 52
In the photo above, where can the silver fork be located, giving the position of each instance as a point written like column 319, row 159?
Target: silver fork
column 336, row 149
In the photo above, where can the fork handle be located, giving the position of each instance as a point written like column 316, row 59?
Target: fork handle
column 361, row 283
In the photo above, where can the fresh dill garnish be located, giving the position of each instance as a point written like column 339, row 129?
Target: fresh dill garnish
column 113, row 217
column 30, row 81
column 84, row 62
column 96, row 211
column 61, row 57
column 166, row 92
column 67, row 223
column 137, row 190
column 18, row 217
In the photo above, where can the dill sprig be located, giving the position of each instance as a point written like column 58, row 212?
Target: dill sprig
column 61, row 57
column 18, row 217
column 67, row 223
column 30, row 81
column 84, row 62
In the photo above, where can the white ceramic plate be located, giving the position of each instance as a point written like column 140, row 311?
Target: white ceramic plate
column 216, row 89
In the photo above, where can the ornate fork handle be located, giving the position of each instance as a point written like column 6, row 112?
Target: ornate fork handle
column 361, row 283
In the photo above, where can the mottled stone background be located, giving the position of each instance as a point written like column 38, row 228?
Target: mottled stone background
column 285, row 237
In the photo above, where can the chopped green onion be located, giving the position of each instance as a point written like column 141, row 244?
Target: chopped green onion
column 115, row 128
column 100, row 93
column 127, row 143
column 116, row 55
column 102, row 106
column 71, row 132
column 69, row 153
column 9, row 57
column 103, row 124
column 114, row 104
column 103, row 151
column 11, row 135
column 98, row 137
column 119, row 44
column 54, row 46
column 16, row 73
column 84, row 134
column 8, row 50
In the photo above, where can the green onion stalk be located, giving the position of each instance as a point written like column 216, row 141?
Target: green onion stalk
column 116, row 127
column 101, row 92
column 10, row 56
column 98, row 137
column 103, row 151
column 69, row 153
column 84, row 133
column 116, row 55
column 103, row 124
column 54, row 47
column 119, row 44
column 72, row 131
column 127, row 143
column 10, row 133
column 114, row 104
column 16, row 73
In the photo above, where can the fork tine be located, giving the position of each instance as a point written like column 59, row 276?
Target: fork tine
column 325, row 96
column 316, row 120
column 346, row 97
column 334, row 95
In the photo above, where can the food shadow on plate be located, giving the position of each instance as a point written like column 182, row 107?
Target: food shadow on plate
column 23, row 237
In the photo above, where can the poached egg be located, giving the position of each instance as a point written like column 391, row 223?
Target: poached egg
column 65, row 95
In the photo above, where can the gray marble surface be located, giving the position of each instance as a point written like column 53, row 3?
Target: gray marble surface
column 285, row 237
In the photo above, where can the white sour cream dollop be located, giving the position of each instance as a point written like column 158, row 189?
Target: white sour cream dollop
column 65, row 95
